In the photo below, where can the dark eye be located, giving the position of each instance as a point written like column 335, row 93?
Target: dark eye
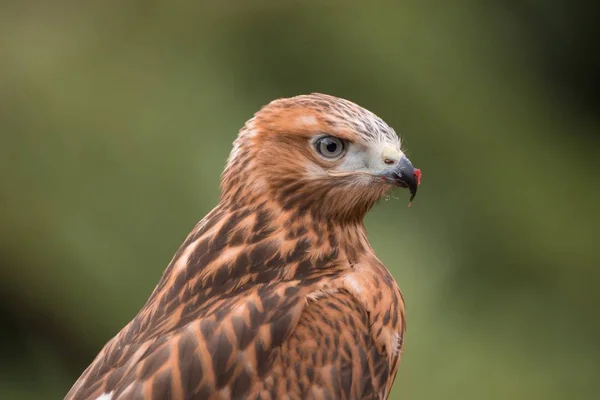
column 330, row 147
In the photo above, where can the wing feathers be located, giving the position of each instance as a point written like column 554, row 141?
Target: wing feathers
column 267, row 320
column 205, row 355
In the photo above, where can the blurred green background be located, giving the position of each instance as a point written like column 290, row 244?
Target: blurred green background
column 117, row 117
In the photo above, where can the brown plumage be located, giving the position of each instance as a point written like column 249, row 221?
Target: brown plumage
column 276, row 293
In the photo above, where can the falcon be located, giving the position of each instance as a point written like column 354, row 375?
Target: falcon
column 276, row 293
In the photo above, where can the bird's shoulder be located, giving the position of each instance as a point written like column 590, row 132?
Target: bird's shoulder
column 244, row 342
column 231, row 299
column 202, row 349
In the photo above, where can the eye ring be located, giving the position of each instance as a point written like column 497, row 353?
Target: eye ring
column 330, row 147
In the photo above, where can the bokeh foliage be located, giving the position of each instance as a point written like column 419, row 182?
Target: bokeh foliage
column 117, row 117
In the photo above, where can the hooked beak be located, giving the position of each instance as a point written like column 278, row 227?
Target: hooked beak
column 404, row 175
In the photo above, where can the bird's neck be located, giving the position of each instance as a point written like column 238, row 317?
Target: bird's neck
column 234, row 246
column 302, row 201
column 250, row 182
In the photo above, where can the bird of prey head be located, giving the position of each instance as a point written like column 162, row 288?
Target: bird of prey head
column 276, row 293
column 320, row 154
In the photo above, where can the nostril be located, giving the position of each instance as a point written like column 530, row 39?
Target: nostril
column 389, row 161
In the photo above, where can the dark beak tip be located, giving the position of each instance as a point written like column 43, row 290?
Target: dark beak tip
column 406, row 176
column 413, row 188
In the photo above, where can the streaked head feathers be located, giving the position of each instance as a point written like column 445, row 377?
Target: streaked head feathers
column 277, row 153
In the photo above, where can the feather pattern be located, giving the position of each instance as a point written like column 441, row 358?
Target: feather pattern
column 277, row 292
